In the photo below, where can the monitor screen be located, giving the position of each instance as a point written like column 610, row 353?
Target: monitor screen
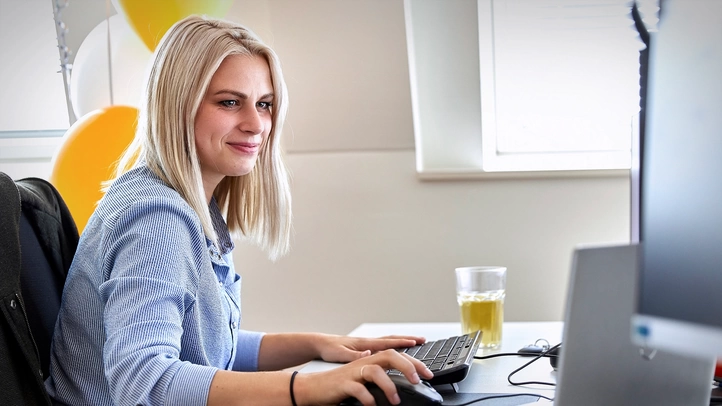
column 680, row 290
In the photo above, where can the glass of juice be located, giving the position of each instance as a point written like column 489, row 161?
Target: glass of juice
column 480, row 292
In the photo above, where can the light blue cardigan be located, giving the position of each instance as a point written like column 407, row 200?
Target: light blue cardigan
column 151, row 307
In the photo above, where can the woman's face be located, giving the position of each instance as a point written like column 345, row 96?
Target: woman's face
column 234, row 119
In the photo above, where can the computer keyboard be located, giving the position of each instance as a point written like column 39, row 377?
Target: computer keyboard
column 449, row 359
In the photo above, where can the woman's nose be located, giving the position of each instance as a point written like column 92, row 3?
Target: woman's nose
column 251, row 121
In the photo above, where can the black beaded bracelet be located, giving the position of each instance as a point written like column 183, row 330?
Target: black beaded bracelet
column 293, row 398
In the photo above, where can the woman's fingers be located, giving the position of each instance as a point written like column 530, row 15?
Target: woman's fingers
column 359, row 373
column 416, row 339
column 409, row 366
column 378, row 376
column 360, row 392
column 390, row 359
column 383, row 343
column 417, row 369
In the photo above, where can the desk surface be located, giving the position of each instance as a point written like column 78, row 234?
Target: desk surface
column 486, row 376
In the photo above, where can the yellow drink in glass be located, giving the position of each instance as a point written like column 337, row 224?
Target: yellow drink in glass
column 485, row 312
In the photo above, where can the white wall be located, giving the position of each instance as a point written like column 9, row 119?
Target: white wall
column 371, row 241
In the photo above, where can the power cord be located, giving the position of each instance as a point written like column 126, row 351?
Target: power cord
column 506, row 395
column 514, row 354
column 543, row 352
column 541, row 355
column 531, row 350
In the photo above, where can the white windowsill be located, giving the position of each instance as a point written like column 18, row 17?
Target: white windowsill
column 472, row 174
column 28, row 148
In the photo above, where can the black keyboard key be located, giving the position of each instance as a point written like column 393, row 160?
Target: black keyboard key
column 411, row 350
column 436, row 366
column 421, row 354
column 448, row 346
column 434, row 350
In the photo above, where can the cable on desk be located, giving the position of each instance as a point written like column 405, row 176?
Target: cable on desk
column 530, row 350
column 515, row 354
column 506, row 395
column 543, row 354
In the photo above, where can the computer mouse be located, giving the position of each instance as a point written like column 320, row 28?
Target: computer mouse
column 420, row 394
column 554, row 353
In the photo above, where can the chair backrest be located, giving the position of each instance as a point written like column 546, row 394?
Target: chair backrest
column 48, row 239
column 38, row 240
column 41, row 291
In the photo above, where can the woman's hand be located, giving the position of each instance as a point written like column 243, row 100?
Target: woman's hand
column 332, row 387
column 333, row 348
column 285, row 350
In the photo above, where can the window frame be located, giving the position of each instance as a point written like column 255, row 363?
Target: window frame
column 29, row 145
column 465, row 145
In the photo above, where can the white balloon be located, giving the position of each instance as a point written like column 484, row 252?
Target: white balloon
column 89, row 79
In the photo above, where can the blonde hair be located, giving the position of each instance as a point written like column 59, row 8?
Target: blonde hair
column 257, row 205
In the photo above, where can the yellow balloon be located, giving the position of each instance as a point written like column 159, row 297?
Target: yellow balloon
column 150, row 19
column 87, row 156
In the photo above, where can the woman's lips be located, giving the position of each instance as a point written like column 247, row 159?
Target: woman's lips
column 245, row 147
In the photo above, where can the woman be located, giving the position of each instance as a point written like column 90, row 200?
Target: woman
column 151, row 305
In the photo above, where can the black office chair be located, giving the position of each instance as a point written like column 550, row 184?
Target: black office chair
column 38, row 239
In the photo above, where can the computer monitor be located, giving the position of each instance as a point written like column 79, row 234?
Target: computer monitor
column 639, row 128
column 679, row 300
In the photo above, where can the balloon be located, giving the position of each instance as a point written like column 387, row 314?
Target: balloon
column 89, row 80
column 87, row 156
column 152, row 18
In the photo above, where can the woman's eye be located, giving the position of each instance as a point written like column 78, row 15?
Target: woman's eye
column 229, row 103
column 265, row 105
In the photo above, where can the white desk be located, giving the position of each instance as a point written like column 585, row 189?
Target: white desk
column 486, row 376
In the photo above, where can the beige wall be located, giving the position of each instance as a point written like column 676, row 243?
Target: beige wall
column 371, row 242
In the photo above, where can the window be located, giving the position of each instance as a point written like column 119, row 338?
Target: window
column 33, row 90
column 522, row 85
column 34, row 109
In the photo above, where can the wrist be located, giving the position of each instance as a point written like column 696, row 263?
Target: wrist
column 292, row 388
column 300, row 389
column 318, row 342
